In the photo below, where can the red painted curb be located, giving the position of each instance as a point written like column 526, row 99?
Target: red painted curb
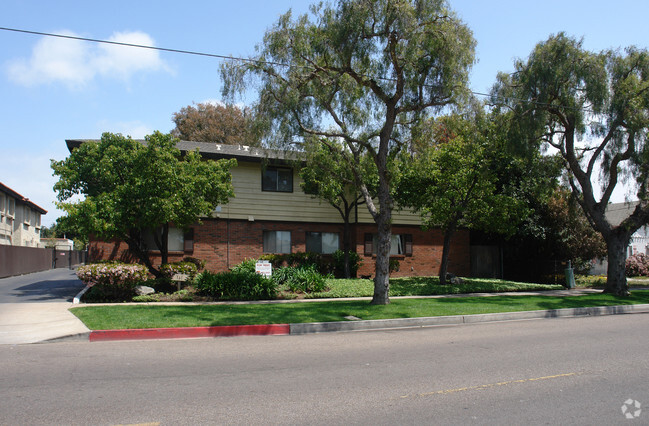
column 189, row 332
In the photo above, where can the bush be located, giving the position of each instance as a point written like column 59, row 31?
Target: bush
column 305, row 279
column 637, row 266
column 188, row 268
column 112, row 281
column 298, row 260
column 248, row 265
column 236, row 285
column 355, row 263
column 200, row 264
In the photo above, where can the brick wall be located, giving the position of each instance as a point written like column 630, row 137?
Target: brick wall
column 224, row 244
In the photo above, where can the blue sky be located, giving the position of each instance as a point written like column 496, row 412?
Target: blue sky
column 54, row 89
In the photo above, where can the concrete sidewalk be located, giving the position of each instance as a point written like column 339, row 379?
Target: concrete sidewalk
column 34, row 307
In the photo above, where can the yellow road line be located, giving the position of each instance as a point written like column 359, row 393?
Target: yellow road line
column 491, row 385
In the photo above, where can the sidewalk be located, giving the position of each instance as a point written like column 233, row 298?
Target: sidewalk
column 34, row 307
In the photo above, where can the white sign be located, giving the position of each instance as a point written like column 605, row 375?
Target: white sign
column 264, row 268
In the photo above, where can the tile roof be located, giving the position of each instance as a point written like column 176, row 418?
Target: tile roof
column 20, row 199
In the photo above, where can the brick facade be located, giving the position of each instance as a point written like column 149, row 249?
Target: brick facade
column 225, row 243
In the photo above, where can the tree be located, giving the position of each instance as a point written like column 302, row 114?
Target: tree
column 327, row 176
column 451, row 184
column 131, row 189
column 593, row 108
column 226, row 124
column 362, row 72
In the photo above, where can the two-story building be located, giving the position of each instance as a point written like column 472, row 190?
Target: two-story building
column 20, row 219
column 271, row 214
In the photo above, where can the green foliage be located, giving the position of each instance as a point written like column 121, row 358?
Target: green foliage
column 130, row 188
column 361, row 72
column 299, row 259
column 592, row 108
column 248, row 266
column 302, row 279
column 236, row 285
column 200, row 264
column 188, row 268
column 355, row 262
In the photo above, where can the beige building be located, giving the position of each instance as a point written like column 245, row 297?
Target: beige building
column 20, row 219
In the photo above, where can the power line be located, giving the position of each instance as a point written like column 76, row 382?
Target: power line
column 235, row 58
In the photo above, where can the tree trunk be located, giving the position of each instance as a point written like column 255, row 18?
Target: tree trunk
column 382, row 268
column 616, row 245
column 346, row 243
column 443, row 269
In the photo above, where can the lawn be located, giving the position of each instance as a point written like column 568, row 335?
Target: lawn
column 154, row 316
column 424, row 286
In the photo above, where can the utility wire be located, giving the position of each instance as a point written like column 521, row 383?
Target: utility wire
column 235, row 58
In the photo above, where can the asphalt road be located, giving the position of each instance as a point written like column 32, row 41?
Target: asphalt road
column 553, row 371
column 54, row 285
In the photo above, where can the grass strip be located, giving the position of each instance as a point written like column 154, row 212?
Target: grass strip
column 424, row 286
column 163, row 316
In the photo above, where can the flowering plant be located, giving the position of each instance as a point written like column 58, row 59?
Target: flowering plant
column 637, row 265
column 112, row 274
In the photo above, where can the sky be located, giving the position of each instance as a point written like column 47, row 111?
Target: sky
column 55, row 89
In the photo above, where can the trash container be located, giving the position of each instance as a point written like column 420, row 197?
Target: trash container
column 570, row 276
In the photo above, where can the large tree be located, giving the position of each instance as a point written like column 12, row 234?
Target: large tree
column 593, row 108
column 327, row 176
column 131, row 188
column 361, row 72
column 207, row 122
column 449, row 179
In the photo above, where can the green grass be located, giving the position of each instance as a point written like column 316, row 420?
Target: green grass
column 151, row 316
column 424, row 286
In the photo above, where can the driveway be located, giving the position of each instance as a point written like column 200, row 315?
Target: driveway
column 34, row 307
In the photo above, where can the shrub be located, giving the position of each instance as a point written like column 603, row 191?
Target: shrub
column 112, row 281
column 637, row 265
column 200, row 264
column 298, row 260
column 188, row 268
column 248, row 265
column 305, row 279
column 236, row 285
column 355, row 263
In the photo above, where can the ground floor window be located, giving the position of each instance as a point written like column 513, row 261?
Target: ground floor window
column 176, row 239
column 400, row 244
column 277, row 241
column 322, row 242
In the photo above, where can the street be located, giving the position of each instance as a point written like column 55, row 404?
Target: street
column 554, row 371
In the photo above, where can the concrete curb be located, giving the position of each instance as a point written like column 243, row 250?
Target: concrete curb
column 346, row 326
column 323, row 327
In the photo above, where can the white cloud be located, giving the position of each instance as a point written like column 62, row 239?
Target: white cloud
column 135, row 129
column 75, row 63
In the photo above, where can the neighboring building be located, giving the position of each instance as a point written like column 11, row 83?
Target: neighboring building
column 57, row 243
column 616, row 213
column 271, row 214
column 20, row 219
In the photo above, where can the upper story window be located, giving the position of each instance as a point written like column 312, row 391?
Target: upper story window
column 277, row 179
column 11, row 207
